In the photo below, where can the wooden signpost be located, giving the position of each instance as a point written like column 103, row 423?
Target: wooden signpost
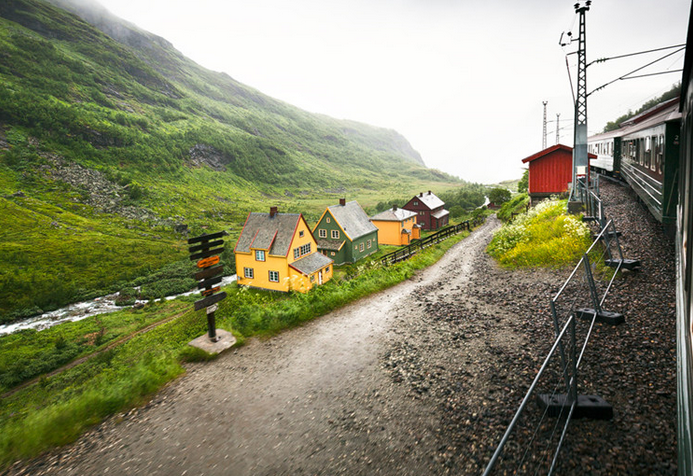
column 207, row 249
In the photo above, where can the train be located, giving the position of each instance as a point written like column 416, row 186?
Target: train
column 684, row 268
column 644, row 151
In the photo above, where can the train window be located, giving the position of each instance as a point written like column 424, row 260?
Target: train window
column 660, row 155
column 647, row 152
column 653, row 162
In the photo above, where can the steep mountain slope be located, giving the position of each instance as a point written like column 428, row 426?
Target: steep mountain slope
column 111, row 142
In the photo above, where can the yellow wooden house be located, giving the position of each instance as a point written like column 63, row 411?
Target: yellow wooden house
column 396, row 226
column 277, row 251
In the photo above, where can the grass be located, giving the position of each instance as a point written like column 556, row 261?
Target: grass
column 515, row 206
column 59, row 408
column 545, row 236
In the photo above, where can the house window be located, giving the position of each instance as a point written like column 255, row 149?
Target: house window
column 248, row 273
column 322, row 233
column 335, row 234
column 368, row 244
column 421, row 213
column 259, row 255
column 416, row 203
column 274, row 276
column 327, row 220
column 361, row 246
column 332, row 253
column 300, row 234
column 301, row 250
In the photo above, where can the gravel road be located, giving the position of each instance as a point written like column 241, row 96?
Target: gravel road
column 420, row 379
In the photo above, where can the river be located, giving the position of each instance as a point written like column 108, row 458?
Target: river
column 82, row 310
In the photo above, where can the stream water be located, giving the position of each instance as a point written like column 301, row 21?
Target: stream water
column 82, row 310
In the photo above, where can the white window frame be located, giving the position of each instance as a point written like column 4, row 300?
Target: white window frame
column 248, row 273
column 334, row 234
column 322, row 233
column 276, row 275
column 259, row 255
column 361, row 247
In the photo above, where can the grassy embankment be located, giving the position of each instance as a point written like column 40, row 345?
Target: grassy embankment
column 544, row 236
column 59, row 408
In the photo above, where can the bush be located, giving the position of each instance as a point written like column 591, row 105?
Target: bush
column 544, row 236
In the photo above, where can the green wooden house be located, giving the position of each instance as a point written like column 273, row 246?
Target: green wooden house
column 345, row 234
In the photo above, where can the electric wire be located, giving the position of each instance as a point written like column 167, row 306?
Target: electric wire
column 625, row 76
column 602, row 60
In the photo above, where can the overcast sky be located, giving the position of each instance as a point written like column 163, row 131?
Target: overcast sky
column 462, row 80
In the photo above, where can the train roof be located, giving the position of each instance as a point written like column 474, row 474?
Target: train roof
column 661, row 113
column 660, row 116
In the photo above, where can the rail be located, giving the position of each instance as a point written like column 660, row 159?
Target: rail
column 411, row 249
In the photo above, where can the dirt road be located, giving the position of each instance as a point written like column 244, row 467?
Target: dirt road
column 313, row 400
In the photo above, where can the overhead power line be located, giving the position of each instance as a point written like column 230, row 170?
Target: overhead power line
column 602, row 60
column 626, row 76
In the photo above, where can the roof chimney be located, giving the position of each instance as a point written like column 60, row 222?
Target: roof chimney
column 429, row 192
column 421, row 194
column 342, row 201
column 394, row 208
column 273, row 212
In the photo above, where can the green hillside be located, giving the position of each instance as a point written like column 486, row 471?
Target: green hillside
column 112, row 144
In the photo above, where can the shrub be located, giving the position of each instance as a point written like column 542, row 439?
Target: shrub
column 544, row 236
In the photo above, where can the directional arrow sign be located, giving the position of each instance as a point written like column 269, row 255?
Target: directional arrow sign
column 209, row 272
column 209, row 300
column 211, row 261
column 209, row 237
column 205, row 246
column 208, row 283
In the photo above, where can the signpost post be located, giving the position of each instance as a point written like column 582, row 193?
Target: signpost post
column 206, row 250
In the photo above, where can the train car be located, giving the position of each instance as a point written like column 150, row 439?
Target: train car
column 650, row 158
column 684, row 269
column 607, row 148
column 644, row 152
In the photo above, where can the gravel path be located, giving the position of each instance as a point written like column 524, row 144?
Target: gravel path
column 420, row 379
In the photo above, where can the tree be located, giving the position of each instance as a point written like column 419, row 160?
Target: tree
column 523, row 184
column 499, row 195
column 456, row 211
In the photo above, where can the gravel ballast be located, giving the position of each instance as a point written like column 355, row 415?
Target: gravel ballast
column 420, row 379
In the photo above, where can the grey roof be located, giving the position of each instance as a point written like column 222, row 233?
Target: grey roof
column 399, row 214
column 311, row 263
column 327, row 244
column 430, row 200
column 265, row 233
column 352, row 219
column 440, row 214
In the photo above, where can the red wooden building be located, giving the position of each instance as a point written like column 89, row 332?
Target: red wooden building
column 430, row 211
column 550, row 172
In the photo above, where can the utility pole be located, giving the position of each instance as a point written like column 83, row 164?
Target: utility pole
column 543, row 140
column 558, row 126
column 580, row 161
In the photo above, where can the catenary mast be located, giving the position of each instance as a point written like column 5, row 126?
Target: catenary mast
column 580, row 161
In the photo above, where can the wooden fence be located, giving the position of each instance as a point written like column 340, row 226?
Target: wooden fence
column 415, row 246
